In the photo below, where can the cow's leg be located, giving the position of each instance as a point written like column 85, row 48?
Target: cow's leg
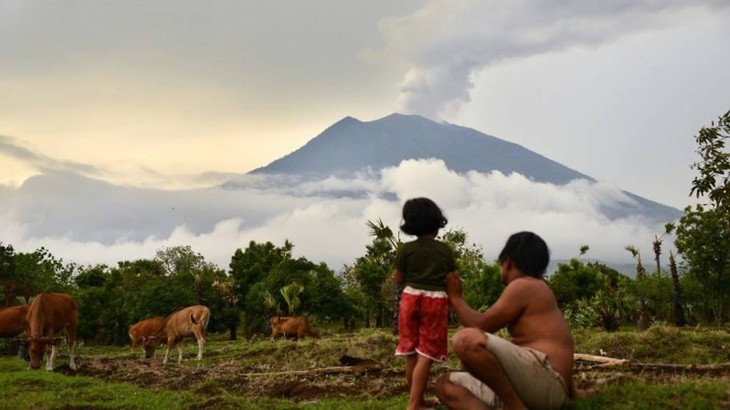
column 71, row 346
column 167, row 351
column 52, row 357
column 179, row 352
column 200, row 335
column 201, row 348
column 274, row 333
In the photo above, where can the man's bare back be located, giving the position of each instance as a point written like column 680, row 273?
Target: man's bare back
column 541, row 326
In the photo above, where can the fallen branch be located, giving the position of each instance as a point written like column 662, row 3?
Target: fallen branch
column 603, row 361
column 686, row 367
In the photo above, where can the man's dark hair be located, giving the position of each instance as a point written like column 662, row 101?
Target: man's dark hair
column 422, row 216
column 528, row 252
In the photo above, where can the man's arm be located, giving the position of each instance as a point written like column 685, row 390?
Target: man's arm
column 504, row 312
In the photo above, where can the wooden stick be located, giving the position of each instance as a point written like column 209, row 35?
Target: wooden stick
column 603, row 361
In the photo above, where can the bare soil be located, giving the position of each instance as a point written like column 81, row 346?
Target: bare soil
column 233, row 378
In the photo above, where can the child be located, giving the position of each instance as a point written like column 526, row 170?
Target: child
column 422, row 266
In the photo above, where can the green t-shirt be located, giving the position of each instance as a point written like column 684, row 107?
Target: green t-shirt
column 425, row 263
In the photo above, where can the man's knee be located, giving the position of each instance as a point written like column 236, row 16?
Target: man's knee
column 467, row 341
column 442, row 387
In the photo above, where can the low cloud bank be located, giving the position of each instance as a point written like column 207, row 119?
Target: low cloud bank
column 88, row 221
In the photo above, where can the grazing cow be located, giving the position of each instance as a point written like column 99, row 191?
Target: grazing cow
column 12, row 320
column 298, row 326
column 190, row 321
column 49, row 314
column 145, row 334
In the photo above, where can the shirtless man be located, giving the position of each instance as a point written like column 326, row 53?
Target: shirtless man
column 532, row 370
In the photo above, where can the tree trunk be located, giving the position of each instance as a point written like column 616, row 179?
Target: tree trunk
column 679, row 319
column 379, row 316
column 118, row 332
column 643, row 322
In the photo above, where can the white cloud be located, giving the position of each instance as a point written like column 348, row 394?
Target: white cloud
column 323, row 227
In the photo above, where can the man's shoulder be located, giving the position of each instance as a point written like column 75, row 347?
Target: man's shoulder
column 528, row 283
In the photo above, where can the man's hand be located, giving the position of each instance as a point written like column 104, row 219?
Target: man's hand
column 454, row 285
column 399, row 277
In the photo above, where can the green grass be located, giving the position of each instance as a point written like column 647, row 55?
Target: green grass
column 230, row 374
column 693, row 394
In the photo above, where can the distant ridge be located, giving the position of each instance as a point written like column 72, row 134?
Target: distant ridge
column 351, row 145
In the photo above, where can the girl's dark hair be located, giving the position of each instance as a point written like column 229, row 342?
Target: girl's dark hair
column 528, row 252
column 422, row 216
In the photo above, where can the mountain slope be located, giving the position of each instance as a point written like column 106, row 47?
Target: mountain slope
column 351, row 145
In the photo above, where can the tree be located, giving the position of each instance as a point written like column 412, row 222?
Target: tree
column 373, row 273
column 40, row 272
column 382, row 232
column 643, row 322
column 679, row 318
column 702, row 235
column 96, row 295
column 248, row 268
column 703, row 240
column 7, row 261
column 714, row 166
column 482, row 282
column 592, row 293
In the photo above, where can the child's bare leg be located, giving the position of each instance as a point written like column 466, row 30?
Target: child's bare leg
column 419, row 380
column 410, row 364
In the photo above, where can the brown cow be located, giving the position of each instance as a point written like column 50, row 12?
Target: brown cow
column 190, row 321
column 12, row 320
column 141, row 332
column 291, row 325
column 49, row 314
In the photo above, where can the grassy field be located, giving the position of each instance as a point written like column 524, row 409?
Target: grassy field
column 273, row 375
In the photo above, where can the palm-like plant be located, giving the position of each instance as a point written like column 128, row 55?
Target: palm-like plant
column 291, row 293
column 271, row 304
column 382, row 232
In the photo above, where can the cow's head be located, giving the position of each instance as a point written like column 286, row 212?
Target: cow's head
column 150, row 345
column 36, row 348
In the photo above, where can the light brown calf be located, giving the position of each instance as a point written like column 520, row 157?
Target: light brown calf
column 190, row 321
column 48, row 315
column 298, row 326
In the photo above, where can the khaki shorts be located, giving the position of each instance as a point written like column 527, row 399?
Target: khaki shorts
column 537, row 384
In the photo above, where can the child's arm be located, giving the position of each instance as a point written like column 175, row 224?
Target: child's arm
column 399, row 276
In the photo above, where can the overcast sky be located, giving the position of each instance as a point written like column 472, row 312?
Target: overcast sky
column 180, row 94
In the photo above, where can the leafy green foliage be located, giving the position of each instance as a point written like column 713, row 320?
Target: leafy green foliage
column 593, row 294
column 7, row 261
column 703, row 240
column 482, row 282
column 40, row 271
column 714, row 167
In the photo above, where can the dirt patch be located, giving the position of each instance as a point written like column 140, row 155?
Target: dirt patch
column 245, row 376
column 231, row 377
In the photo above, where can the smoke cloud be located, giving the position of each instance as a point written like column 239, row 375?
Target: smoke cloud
column 447, row 42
